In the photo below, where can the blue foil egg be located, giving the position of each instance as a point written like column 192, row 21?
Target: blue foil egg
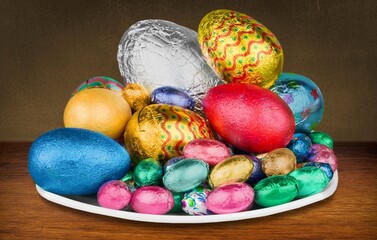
column 300, row 145
column 257, row 173
column 173, row 96
column 303, row 97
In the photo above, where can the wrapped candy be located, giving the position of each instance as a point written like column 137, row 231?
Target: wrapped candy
column 194, row 201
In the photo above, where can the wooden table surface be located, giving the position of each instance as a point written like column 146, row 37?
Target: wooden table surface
column 351, row 213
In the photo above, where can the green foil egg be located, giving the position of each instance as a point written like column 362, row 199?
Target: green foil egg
column 275, row 190
column 322, row 138
column 148, row 172
column 177, row 207
column 237, row 168
column 310, row 180
column 185, row 175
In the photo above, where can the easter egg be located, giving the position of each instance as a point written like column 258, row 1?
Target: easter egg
column 300, row 145
column 160, row 131
column 323, row 166
column 76, row 161
column 209, row 150
column 177, row 207
column 173, row 96
column 230, row 198
column 194, row 201
column 114, row 194
column 257, row 173
column 240, row 49
column 152, row 200
column 148, row 172
column 136, row 96
column 100, row 82
column 249, row 117
column 172, row 161
column 237, row 168
column 280, row 161
column 322, row 138
column 185, row 175
column 324, row 154
column 275, row 190
column 99, row 110
column 310, row 180
column 156, row 53
column 304, row 99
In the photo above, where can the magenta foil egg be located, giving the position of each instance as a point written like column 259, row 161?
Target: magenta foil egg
column 230, row 198
column 114, row 194
column 324, row 154
column 209, row 150
column 152, row 200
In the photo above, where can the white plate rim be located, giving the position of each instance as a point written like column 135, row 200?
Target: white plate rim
column 67, row 202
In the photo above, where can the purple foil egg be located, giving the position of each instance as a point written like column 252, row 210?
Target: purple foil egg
column 257, row 173
column 173, row 96
column 324, row 154
column 230, row 198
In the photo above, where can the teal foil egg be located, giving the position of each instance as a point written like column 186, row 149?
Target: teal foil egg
column 148, row 172
column 185, row 175
column 310, row 180
column 304, row 99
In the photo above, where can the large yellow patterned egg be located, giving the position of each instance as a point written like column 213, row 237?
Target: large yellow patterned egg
column 240, row 49
column 160, row 131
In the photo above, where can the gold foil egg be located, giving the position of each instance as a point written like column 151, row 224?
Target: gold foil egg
column 237, row 168
column 240, row 49
column 160, row 131
column 136, row 96
column 280, row 161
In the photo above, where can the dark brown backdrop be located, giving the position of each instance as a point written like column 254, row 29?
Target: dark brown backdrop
column 47, row 48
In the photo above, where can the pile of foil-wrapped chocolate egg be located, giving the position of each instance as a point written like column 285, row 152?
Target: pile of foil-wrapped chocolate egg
column 210, row 122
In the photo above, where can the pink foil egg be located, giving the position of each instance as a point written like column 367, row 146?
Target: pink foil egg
column 208, row 150
column 230, row 198
column 152, row 200
column 114, row 194
column 324, row 154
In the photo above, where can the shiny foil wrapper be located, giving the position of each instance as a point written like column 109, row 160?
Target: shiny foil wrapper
column 160, row 131
column 240, row 49
column 156, row 53
column 280, row 161
column 194, row 201
column 136, row 96
column 99, row 82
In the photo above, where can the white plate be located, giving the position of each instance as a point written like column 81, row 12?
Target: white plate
column 89, row 204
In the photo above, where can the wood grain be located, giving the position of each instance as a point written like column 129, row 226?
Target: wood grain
column 351, row 213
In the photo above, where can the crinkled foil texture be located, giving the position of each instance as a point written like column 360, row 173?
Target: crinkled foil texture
column 157, row 53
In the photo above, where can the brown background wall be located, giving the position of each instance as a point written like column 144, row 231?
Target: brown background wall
column 47, row 48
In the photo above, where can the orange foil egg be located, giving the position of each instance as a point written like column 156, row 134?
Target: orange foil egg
column 240, row 49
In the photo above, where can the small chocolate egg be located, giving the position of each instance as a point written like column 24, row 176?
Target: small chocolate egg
column 322, row 138
column 171, row 162
column 148, row 172
column 128, row 179
column 280, row 161
column 194, row 201
column 239, row 48
column 257, row 173
column 160, row 131
column 275, row 190
column 178, row 197
column 152, row 200
column 230, row 198
column 114, row 194
column 136, row 96
column 209, row 150
column 185, row 175
column 100, row 82
column 322, row 153
column 310, row 180
column 237, row 168
column 300, row 145
column 173, row 96
column 324, row 166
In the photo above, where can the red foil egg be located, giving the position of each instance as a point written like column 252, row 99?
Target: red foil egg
column 249, row 117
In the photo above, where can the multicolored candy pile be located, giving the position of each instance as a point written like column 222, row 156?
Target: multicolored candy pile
column 206, row 123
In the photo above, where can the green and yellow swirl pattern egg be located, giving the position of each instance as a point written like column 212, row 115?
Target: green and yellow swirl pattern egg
column 240, row 49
